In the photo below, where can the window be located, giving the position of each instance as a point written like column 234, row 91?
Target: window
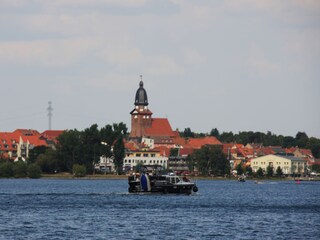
column 145, row 154
column 138, row 155
column 153, row 155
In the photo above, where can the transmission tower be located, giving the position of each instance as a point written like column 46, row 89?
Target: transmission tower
column 49, row 109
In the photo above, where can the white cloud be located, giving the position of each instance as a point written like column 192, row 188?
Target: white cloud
column 112, row 81
column 192, row 57
column 120, row 54
column 162, row 66
column 55, row 53
column 97, row 2
column 259, row 63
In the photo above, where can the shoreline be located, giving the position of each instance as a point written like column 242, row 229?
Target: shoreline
column 68, row 176
column 122, row 177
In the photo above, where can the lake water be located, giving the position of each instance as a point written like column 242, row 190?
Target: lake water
column 102, row 209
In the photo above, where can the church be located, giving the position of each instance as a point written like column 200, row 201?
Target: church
column 144, row 126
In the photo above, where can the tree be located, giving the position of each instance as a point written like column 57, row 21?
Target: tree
column 188, row 133
column 118, row 152
column 68, row 149
column 215, row 133
column 302, row 139
column 34, row 171
column 289, row 142
column 174, row 152
column 6, row 169
column 48, row 161
column 279, row 171
column 35, row 152
column 79, row 170
column 239, row 169
column 315, row 168
column 139, row 167
column 248, row 170
column 20, row 169
column 210, row 160
column 260, row 172
column 314, row 145
column 227, row 137
column 90, row 147
column 269, row 171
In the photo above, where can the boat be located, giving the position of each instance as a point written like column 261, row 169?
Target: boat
column 167, row 183
column 242, row 178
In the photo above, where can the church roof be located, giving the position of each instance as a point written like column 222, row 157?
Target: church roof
column 159, row 127
column 141, row 96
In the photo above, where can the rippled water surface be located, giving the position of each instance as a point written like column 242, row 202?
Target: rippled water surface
column 102, row 209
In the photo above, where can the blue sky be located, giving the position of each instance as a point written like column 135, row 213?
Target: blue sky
column 233, row 65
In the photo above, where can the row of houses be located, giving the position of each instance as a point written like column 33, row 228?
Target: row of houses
column 17, row 144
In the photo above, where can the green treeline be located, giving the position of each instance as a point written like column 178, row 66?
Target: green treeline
column 301, row 139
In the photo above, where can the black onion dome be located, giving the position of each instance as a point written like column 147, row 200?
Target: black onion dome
column 141, row 96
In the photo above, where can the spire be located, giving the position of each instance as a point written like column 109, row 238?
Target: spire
column 141, row 95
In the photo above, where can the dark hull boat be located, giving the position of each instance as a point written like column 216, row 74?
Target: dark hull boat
column 160, row 184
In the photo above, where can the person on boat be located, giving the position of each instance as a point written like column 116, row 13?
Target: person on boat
column 185, row 179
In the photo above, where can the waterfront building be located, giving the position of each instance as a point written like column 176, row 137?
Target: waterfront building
column 289, row 164
column 17, row 145
column 148, row 158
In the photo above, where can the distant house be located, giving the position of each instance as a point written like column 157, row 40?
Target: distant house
column 304, row 154
column 289, row 164
column 17, row 145
column 151, row 157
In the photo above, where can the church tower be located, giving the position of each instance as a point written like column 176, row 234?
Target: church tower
column 140, row 115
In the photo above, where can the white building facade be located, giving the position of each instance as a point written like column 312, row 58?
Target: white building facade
column 146, row 158
column 289, row 164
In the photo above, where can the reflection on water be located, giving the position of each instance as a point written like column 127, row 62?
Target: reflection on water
column 102, row 209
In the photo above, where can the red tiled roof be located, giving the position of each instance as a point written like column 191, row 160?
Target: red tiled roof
column 186, row 151
column 8, row 140
column 164, row 151
column 131, row 146
column 52, row 134
column 197, row 143
column 27, row 132
column 306, row 151
column 160, row 127
column 34, row 140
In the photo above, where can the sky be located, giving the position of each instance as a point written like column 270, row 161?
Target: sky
column 245, row 65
